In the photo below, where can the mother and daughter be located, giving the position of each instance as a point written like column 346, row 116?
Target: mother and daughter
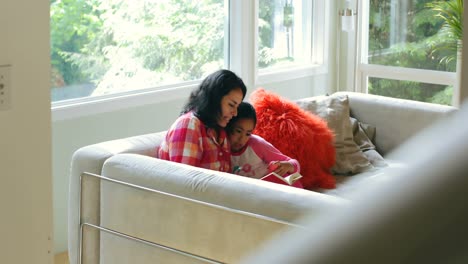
column 215, row 131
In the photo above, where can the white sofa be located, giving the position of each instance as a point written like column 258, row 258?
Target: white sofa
column 146, row 210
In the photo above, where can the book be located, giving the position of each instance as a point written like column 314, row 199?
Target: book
column 276, row 178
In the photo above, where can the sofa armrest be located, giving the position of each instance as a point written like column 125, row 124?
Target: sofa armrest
column 396, row 120
column 91, row 159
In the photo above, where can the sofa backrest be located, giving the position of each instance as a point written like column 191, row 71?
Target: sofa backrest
column 396, row 120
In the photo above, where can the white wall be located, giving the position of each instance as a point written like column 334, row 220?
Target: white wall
column 25, row 149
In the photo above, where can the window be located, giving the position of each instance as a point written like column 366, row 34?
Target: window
column 114, row 54
column 101, row 47
column 407, row 34
column 284, row 33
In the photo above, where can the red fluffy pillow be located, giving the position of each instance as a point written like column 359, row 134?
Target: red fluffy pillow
column 297, row 133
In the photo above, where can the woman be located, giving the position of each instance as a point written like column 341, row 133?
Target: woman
column 198, row 137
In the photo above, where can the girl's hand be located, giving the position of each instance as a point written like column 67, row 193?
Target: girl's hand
column 282, row 167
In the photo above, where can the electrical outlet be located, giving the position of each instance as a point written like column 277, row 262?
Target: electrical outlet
column 5, row 87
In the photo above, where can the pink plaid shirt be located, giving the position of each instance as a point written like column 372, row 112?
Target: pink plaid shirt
column 188, row 141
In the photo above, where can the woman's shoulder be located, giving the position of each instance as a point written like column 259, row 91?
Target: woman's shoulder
column 187, row 120
column 186, row 124
column 188, row 116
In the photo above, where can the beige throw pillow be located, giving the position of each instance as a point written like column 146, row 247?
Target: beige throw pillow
column 335, row 110
column 363, row 136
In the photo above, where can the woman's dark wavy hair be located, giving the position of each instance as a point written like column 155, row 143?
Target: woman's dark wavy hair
column 205, row 101
column 244, row 111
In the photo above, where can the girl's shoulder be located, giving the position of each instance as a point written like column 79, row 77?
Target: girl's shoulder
column 256, row 140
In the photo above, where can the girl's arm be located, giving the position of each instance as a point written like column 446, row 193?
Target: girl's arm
column 269, row 153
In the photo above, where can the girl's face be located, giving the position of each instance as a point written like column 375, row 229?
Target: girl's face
column 240, row 134
column 229, row 104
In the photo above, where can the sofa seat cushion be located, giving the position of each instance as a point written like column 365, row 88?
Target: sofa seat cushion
column 346, row 186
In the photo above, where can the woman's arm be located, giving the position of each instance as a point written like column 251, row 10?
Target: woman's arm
column 183, row 141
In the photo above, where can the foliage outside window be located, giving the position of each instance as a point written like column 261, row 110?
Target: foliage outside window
column 451, row 12
column 101, row 47
column 409, row 34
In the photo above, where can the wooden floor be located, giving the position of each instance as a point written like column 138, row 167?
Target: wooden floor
column 61, row 258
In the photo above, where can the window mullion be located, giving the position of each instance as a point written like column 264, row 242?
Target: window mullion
column 242, row 39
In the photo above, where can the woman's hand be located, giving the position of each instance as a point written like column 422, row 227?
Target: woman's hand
column 281, row 167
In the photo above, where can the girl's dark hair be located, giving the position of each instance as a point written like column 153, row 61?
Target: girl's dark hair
column 244, row 111
column 205, row 100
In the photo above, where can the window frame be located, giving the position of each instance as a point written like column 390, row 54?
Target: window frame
column 241, row 57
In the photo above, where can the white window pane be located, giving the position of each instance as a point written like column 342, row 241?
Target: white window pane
column 103, row 47
column 284, row 33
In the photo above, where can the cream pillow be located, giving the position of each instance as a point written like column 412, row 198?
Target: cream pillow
column 363, row 136
column 335, row 111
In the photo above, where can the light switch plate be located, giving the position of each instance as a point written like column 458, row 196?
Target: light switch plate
column 5, row 87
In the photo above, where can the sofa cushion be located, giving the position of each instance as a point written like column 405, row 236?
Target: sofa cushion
column 335, row 110
column 363, row 135
column 348, row 186
column 297, row 133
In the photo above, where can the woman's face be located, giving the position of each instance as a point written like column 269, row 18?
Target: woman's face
column 229, row 104
column 240, row 134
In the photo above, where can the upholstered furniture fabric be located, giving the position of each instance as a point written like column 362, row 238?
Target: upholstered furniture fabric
column 91, row 159
column 395, row 120
column 212, row 226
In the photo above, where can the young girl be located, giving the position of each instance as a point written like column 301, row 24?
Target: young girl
column 251, row 155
